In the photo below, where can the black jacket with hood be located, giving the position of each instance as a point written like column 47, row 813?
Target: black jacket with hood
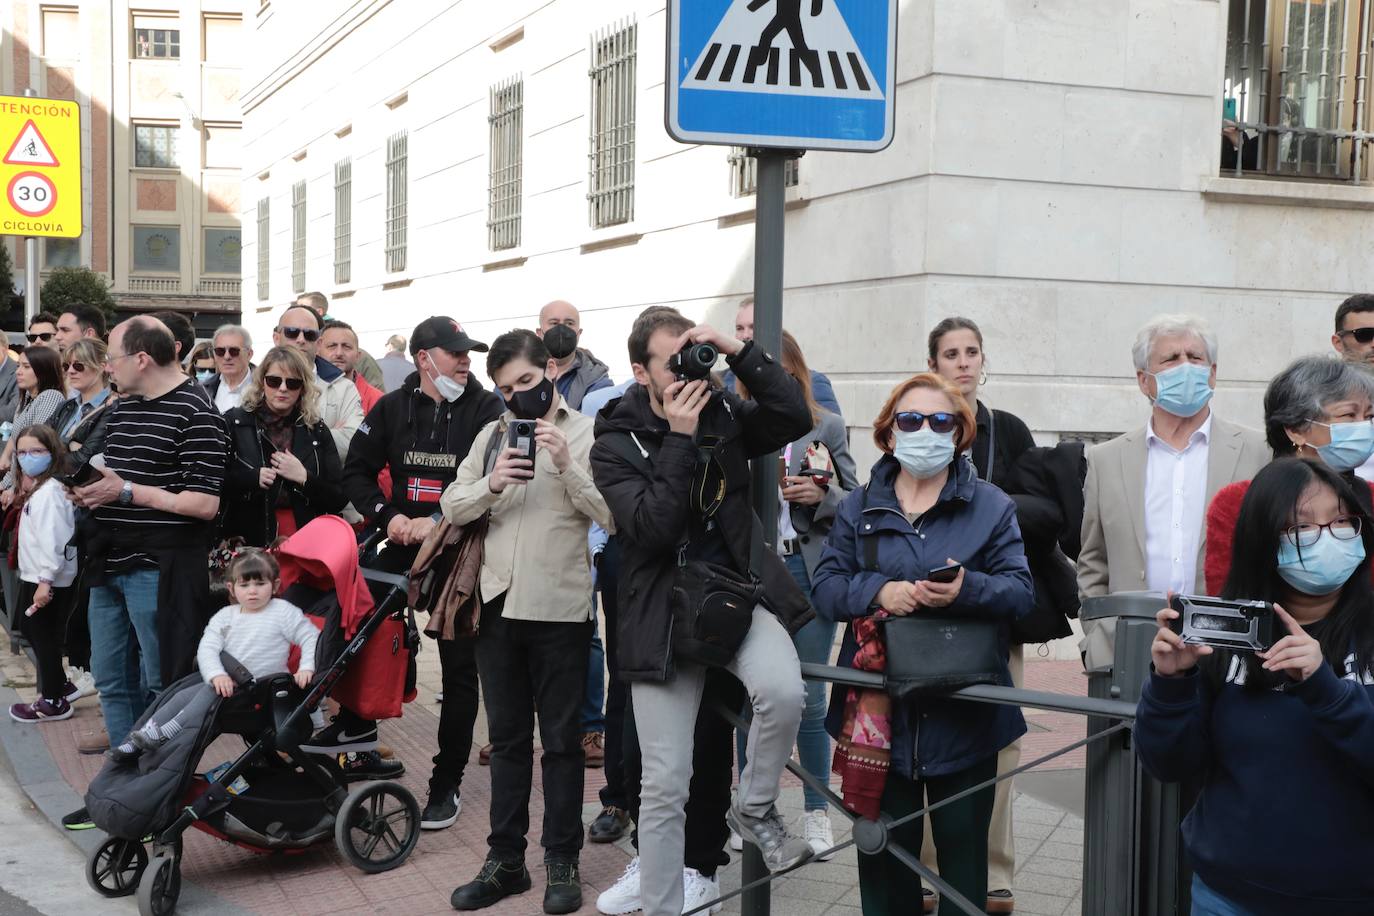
column 652, row 514
column 421, row 441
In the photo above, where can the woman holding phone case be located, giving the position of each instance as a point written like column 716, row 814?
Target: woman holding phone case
column 1282, row 740
column 923, row 508
column 817, row 474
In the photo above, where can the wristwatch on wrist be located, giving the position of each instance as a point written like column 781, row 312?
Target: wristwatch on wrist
column 126, row 493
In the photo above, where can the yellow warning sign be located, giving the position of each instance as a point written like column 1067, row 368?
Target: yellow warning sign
column 40, row 172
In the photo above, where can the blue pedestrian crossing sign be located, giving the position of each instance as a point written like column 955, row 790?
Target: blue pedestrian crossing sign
column 784, row 74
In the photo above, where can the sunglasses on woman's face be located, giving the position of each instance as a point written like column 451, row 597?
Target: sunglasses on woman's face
column 310, row 334
column 276, row 381
column 231, row 352
column 75, row 365
column 44, row 336
column 908, row 421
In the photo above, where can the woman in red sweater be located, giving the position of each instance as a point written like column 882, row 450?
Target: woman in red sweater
column 1319, row 407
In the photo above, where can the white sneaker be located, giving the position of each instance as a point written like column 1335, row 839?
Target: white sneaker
column 623, row 896
column 816, row 831
column 736, row 841
column 698, row 889
column 84, row 682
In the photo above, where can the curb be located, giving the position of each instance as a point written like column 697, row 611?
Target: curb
column 39, row 778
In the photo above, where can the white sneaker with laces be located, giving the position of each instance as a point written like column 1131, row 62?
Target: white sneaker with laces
column 816, row 831
column 623, row 896
column 698, row 889
column 736, row 841
column 83, row 680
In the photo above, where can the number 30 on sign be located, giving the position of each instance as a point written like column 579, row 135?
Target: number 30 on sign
column 32, row 193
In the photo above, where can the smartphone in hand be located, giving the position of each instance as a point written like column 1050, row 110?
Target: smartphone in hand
column 521, row 437
column 944, row 574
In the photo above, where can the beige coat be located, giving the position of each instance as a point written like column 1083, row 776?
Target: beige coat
column 536, row 547
column 1112, row 557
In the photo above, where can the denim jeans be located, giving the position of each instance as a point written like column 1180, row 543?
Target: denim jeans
column 124, row 651
column 594, row 702
column 1207, row 902
column 813, row 643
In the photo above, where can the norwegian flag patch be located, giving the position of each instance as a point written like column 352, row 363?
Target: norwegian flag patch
column 424, row 490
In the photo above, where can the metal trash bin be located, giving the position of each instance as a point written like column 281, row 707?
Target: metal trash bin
column 1132, row 852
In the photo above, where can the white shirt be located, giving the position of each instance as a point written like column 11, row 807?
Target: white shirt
column 786, row 530
column 229, row 396
column 260, row 641
column 1175, row 503
column 48, row 524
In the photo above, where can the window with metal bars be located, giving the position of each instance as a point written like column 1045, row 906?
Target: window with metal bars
column 396, row 202
column 343, row 220
column 298, row 237
column 744, row 172
column 1296, row 89
column 611, row 170
column 264, row 247
column 507, row 120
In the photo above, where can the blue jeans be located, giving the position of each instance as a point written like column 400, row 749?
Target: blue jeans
column 125, row 661
column 594, row 702
column 813, row 643
column 1207, row 902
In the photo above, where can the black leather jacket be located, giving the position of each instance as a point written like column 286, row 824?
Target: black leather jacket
column 247, row 510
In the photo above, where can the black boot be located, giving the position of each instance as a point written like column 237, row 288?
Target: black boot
column 563, row 894
column 610, row 825
column 495, row 882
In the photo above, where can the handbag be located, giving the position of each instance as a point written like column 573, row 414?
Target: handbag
column 929, row 654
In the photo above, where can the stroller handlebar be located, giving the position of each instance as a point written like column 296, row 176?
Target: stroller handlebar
column 392, row 579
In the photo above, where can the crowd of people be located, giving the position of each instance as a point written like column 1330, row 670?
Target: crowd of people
column 131, row 458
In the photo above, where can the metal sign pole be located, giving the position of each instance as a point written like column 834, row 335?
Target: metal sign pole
column 30, row 260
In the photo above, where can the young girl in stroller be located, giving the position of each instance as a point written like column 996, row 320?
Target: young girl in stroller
column 257, row 634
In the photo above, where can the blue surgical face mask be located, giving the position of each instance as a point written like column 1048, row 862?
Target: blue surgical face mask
column 1351, row 444
column 1183, row 390
column 923, row 453
column 204, row 376
column 35, row 464
column 1322, row 567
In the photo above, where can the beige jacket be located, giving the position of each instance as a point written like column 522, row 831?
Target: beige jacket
column 1112, row 557
column 536, row 547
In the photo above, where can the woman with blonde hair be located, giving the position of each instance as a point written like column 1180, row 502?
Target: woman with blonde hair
column 283, row 468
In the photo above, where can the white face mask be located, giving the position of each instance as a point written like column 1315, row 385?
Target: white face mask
column 448, row 389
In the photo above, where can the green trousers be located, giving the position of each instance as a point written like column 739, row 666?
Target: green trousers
column 887, row 887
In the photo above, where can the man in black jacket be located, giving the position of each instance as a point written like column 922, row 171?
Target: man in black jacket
column 422, row 431
column 672, row 461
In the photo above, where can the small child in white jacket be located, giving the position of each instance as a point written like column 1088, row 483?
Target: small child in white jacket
column 258, row 632
column 47, row 569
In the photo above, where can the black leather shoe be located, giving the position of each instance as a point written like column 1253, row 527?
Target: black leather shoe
column 369, row 765
column 609, row 826
column 563, row 894
column 494, row 883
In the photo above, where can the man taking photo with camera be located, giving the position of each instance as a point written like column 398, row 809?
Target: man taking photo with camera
column 698, row 586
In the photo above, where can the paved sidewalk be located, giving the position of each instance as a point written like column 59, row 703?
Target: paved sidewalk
column 1048, row 839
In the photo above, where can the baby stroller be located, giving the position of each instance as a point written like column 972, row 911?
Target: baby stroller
column 273, row 798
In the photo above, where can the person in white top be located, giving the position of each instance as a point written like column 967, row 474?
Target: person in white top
column 233, row 352
column 258, row 633
column 1147, row 491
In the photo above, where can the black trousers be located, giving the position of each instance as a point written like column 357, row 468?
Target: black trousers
column 45, row 631
column 617, row 694
column 527, row 665
column 713, row 755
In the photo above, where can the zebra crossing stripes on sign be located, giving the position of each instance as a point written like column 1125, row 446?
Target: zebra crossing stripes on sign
column 795, row 74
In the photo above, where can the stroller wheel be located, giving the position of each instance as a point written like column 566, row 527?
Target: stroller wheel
column 114, row 868
column 377, row 826
column 160, row 887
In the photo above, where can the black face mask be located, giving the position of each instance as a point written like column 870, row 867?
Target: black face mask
column 561, row 341
column 532, row 403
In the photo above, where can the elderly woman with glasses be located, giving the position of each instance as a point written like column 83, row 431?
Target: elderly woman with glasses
column 283, row 467
column 82, row 419
column 1318, row 408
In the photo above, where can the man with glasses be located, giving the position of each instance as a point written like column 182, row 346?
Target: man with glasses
column 42, row 331
column 232, row 347
column 78, row 321
column 1354, row 337
column 340, row 407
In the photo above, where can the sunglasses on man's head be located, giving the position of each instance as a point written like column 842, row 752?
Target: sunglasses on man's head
column 310, row 334
column 1361, row 335
column 232, row 352
column 75, row 365
column 276, row 381
column 908, row 421
column 44, row 336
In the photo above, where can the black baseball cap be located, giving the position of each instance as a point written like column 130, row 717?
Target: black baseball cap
column 444, row 333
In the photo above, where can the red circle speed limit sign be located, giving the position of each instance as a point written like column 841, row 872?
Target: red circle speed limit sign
column 32, row 193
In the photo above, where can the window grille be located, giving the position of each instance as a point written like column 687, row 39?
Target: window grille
column 507, row 163
column 1296, row 88
column 744, row 172
column 160, row 44
column 298, row 237
column 343, row 220
column 396, row 202
column 155, row 146
column 611, row 172
column 264, row 247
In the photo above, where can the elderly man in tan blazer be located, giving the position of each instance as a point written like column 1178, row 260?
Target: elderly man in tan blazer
column 1147, row 491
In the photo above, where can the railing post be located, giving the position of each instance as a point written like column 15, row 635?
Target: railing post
column 757, row 901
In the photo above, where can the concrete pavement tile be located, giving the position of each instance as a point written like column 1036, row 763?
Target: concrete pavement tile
column 1025, row 847
column 798, row 886
column 1066, row 835
column 1026, row 812
column 1041, row 865
column 1031, row 830
column 1047, row 884
column 1034, row 904
column 1061, row 851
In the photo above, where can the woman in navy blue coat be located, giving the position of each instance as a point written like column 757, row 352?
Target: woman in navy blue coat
column 926, row 508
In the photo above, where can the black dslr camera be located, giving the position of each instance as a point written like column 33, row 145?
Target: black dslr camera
column 694, row 361
column 1241, row 626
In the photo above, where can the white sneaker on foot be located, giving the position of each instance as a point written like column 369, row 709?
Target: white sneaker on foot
column 623, row 896
column 816, row 831
column 84, row 682
column 736, row 841
column 698, row 889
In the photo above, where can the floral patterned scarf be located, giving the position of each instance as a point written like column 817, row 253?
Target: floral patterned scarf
column 863, row 751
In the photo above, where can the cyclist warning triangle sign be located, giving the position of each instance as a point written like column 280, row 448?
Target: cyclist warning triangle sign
column 30, row 148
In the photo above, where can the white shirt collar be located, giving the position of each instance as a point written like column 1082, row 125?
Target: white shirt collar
column 239, row 387
column 1202, row 434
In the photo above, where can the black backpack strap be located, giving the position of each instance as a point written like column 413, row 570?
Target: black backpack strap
column 493, row 447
